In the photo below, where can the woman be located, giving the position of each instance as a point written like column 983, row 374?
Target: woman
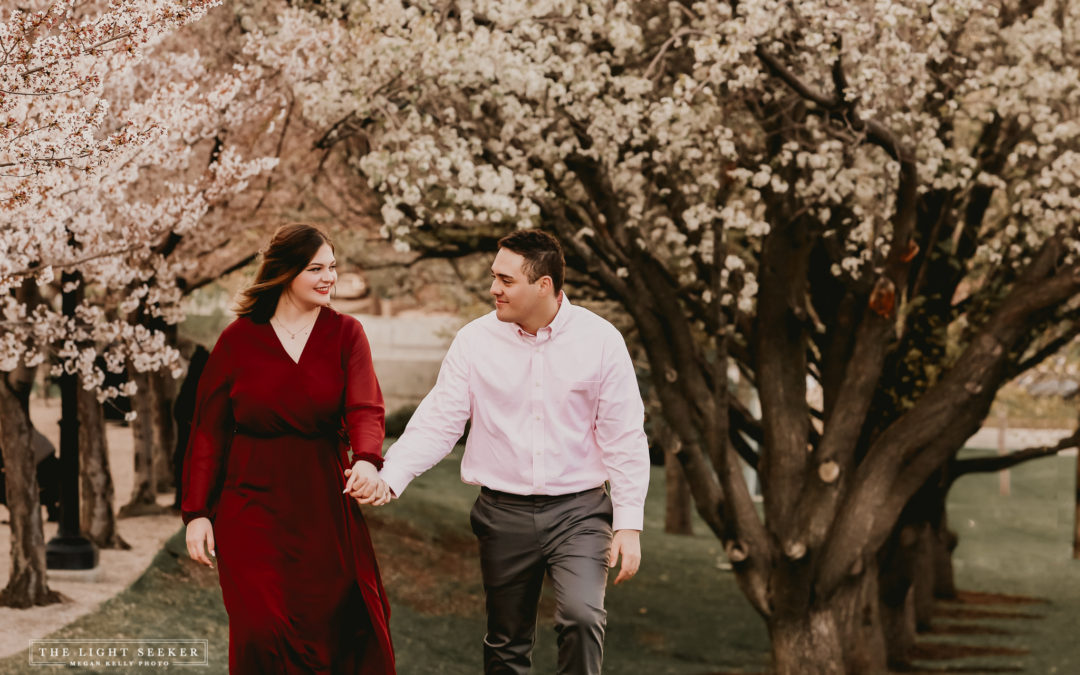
column 288, row 381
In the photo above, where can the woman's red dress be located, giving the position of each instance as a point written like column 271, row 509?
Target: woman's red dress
column 266, row 464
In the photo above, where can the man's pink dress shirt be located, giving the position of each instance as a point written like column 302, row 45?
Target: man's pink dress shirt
column 552, row 414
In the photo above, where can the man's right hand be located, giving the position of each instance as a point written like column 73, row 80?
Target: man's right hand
column 200, row 539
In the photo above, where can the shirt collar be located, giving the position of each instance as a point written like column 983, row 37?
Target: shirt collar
column 562, row 315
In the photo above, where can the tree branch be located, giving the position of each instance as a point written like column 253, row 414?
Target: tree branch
column 1049, row 349
column 835, row 107
column 922, row 439
column 963, row 467
column 190, row 286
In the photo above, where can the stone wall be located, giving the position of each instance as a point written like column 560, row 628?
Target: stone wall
column 407, row 352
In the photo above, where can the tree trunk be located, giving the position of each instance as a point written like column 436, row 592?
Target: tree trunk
column 27, row 586
column 97, row 516
column 842, row 635
column 678, row 501
column 677, row 515
column 807, row 644
column 943, row 544
column 899, row 560
column 909, row 563
column 923, row 582
column 857, row 606
column 898, row 629
column 164, row 430
column 143, row 497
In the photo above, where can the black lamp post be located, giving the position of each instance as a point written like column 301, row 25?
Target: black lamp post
column 69, row 549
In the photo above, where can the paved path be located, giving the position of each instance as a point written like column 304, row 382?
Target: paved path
column 116, row 569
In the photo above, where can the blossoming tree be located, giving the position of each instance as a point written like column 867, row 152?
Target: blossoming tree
column 879, row 197
column 101, row 178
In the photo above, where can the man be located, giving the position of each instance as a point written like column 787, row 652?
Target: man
column 556, row 412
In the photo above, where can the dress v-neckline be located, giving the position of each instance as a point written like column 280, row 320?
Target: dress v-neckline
column 303, row 350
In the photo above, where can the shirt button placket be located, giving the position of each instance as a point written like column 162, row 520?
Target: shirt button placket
column 538, row 480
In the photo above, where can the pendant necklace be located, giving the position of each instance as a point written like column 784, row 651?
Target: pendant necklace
column 292, row 335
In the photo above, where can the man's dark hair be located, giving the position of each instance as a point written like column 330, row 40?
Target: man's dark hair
column 542, row 252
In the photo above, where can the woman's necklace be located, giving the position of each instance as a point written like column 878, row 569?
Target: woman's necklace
column 293, row 334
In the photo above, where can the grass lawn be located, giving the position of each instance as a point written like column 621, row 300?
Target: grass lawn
column 683, row 614
column 1018, row 546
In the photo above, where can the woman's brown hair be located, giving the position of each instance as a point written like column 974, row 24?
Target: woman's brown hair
column 290, row 250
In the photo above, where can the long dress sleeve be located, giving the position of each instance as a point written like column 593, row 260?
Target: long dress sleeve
column 211, row 434
column 363, row 409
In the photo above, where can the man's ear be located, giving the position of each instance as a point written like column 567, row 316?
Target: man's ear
column 547, row 286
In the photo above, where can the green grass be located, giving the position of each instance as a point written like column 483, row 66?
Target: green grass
column 683, row 614
column 1019, row 545
column 172, row 599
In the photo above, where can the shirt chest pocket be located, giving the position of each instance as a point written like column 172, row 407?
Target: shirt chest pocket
column 579, row 397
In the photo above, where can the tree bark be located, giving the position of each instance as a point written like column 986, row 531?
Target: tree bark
column 678, row 502
column 897, row 591
column 838, row 635
column 807, row 644
column 857, row 605
column 27, row 586
column 96, row 492
column 898, row 629
column 944, row 543
column 164, row 430
column 143, row 497
column 922, row 582
column 909, row 563
column 902, row 559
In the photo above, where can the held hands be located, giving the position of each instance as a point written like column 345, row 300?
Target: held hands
column 200, row 539
column 364, row 485
column 625, row 543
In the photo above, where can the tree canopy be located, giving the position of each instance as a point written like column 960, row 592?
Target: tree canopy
column 878, row 197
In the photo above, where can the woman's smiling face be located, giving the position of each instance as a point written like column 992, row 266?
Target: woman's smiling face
column 313, row 285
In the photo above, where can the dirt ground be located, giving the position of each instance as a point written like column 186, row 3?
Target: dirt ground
column 116, row 569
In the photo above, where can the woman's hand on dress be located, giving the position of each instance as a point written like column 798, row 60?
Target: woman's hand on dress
column 200, row 539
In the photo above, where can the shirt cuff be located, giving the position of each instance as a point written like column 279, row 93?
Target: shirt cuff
column 627, row 518
column 397, row 479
